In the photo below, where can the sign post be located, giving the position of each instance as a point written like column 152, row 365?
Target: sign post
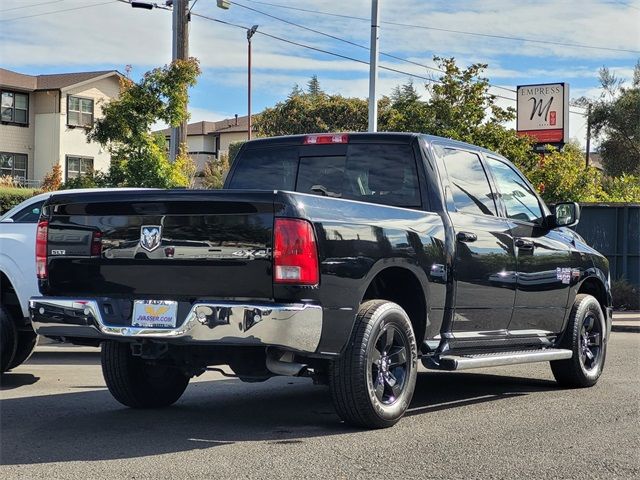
column 543, row 113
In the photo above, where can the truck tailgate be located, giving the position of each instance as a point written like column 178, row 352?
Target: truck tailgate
column 161, row 244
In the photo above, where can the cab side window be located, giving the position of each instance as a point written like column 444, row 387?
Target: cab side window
column 519, row 199
column 29, row 214
column 469, row 184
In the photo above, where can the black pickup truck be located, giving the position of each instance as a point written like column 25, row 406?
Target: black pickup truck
column 346, row 258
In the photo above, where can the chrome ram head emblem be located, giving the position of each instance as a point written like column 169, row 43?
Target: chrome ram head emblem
column 150, row 237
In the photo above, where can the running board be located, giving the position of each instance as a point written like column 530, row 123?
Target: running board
column 464, row 362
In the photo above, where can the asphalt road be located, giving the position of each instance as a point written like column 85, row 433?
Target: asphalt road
column 57, row 420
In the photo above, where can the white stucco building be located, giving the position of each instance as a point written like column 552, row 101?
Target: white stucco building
column 43, row 121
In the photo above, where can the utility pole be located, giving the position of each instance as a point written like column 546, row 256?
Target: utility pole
column 373, row 66
column 250, row 33
column 586, row 155
column 180, row 52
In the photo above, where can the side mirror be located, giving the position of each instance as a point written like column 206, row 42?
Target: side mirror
column 567, row 214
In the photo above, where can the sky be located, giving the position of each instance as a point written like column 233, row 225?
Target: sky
column 55, row 36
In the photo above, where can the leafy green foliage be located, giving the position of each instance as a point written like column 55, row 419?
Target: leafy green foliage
column 10, row 197
column 615, row 119
column 215, row 171
column 138, row 157
column 561, row 176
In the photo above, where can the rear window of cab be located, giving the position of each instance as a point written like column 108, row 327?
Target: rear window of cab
column 375, row 173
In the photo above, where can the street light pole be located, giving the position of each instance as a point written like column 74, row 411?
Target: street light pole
column 250, row 33
column 373, row 66
column 180, row 52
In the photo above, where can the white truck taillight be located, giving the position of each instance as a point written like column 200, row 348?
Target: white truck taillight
column 41, row 249
column 295, row 256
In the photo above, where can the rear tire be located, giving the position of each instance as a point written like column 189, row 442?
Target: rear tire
column 585, row 337
column 27, row 340
column 8, row 339
column 372, row 383
column 138, row 384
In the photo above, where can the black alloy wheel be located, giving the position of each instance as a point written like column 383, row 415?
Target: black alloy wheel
column 388, row 360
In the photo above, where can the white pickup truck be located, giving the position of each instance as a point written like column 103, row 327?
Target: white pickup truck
column 18, row 280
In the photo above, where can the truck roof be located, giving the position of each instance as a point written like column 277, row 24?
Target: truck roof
column 365, row 137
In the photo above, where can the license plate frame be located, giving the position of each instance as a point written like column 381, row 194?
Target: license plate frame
column 154, row 314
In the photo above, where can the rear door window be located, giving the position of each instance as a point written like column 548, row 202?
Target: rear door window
column 469, row 184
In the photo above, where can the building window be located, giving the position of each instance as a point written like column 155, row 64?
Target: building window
column 78, row 166
column 13, row 165
column 15, row 107
column 79, row 111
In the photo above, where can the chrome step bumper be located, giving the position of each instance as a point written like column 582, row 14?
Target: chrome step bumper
column 464, row 362
column 292, row 326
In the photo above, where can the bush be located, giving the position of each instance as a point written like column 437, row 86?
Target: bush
column 625, row 295
column 10, row 197
column 234, row 148
column 52, row 181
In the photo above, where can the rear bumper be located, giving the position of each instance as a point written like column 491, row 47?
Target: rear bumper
column 293, row 326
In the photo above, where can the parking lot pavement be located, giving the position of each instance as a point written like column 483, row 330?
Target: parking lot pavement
column 58, row 421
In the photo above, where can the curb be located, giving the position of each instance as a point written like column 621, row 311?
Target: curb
column 626, row 328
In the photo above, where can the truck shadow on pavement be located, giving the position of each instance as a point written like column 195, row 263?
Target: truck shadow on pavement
column 9, row 380
column 90, row 425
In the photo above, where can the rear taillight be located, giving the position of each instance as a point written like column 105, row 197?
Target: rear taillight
column 295, row 256
column 41, row 248
column 324, row 139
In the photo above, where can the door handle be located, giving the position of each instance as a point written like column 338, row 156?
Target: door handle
column 523, row 244
column 466, row 237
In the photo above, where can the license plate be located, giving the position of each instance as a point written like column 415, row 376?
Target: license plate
column 154, row 313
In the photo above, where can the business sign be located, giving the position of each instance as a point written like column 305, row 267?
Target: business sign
column 543, row 112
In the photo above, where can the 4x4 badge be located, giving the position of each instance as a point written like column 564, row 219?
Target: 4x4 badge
column 150, row 237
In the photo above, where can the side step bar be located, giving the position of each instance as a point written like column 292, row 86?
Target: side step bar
column 464, row 362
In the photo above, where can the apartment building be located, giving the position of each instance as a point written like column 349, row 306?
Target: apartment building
column 44, row 119
column 207, row 140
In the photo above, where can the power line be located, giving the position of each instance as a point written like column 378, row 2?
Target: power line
column 30, row 5
column 339, row 55
column 57, row 11
column 349, row 42
column 446, row 30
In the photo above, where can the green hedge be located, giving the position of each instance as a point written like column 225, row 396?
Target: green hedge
column 10, row 197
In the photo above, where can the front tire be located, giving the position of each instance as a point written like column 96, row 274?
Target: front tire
column 138, row 384
column 372, row 383
column 585, row 336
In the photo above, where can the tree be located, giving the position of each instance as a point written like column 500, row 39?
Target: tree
column 138, row 157
column 615, row 120
column 561, row 176
column 313, row 87
column 313, row 112
column 214, row 172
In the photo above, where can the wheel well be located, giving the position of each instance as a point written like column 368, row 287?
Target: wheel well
column 594, row 287
column 8, row 296
column 401, row 286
